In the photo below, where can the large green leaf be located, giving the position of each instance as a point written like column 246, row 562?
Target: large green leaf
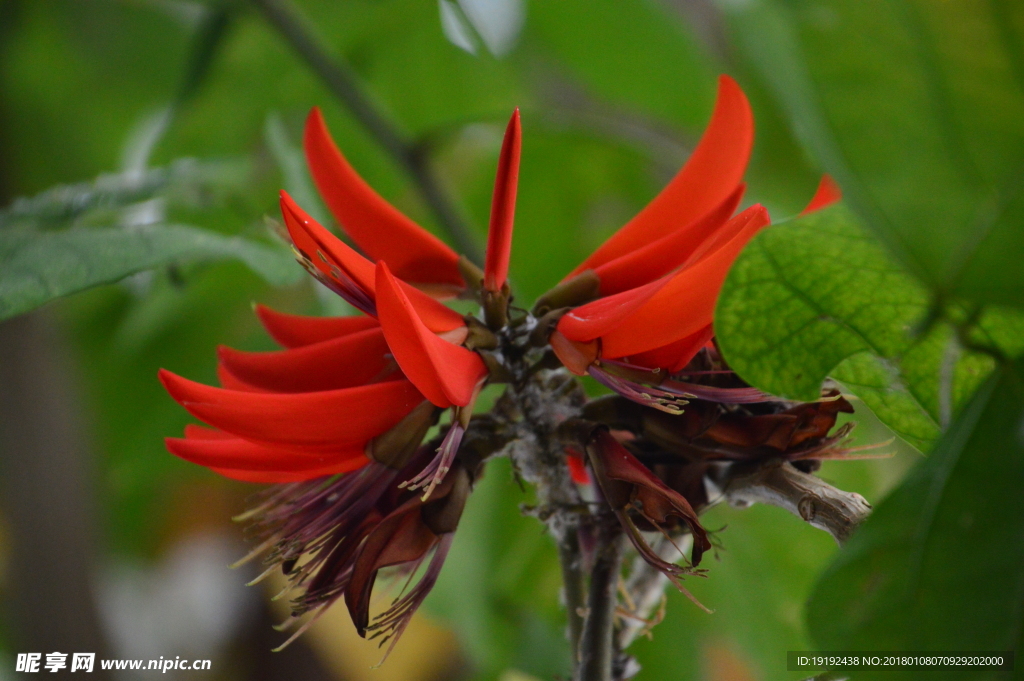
column 940, row 563
column 37, row 267
column 816, row 297
column 917, row 108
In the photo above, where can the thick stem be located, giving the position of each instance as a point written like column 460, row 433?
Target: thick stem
column 597, row 649
column 340, row 79
column 573, row 586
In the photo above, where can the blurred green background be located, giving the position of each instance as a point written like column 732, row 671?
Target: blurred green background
column 107, row 541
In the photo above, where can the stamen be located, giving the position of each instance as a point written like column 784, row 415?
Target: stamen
column 647, row 396
column 433, row 473
column 339, row 282
column 389, row 625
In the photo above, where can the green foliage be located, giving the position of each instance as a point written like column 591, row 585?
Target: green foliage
column 915, row 107
column 938, row 564
column 817, row 296
column 36, row 267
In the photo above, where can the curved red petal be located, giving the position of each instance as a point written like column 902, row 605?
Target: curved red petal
column 295, row 331
column 320, row 421
column 231, row 382
column 344, row 362
column 686, row 303
column 660, row 257
column 446, row 374
column 238, row 454
column 710, row 175
column 828, row 192
column 503, row 207
column 575, row 356
column 345, row 268
column 674, row 356
column 590, row 321
column 278, row 477
column 377, row 227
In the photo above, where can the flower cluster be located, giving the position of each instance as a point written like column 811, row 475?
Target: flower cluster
column 337, row 420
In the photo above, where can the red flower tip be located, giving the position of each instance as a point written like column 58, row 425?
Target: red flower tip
column 446, row 374
column 503, row 207
column 828, row 192
column 686, row 304
column 303, row 422
column 346, row 361
column 378, row 228
column 330, row 260
column 251, row 462
column 338, row 267
column 295, row 331
column 711, row 174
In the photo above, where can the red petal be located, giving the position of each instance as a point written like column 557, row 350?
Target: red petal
column 577, row 468
column 342, row 362
column 277, row 477
column 294, row 331
column 574, row 355
column 232, row 382
column 674, row 356
column 446, row 374
column 238, row 454
column 710, row 175
column 660, row 257
column 687, row 303
column 590, row 321
column 377, row 227
column 828, row 192
column 319, row 421
column 331, row 257
column 503, row 207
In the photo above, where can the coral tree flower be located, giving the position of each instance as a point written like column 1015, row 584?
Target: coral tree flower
column 354, row 397
column 640, row 307
column 337, row 418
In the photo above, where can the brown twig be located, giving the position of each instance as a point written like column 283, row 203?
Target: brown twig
column 344, row 83
column 778, row 483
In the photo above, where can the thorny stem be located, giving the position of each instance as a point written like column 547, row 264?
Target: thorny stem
column 596, row 650
column 344, row 83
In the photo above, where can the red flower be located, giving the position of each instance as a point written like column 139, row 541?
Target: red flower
column 357, row 395
column 641, row 306
column 340, row 413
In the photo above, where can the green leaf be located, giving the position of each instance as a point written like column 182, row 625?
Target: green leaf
column 819, row 297
column 816, row 297
column 37, row 267
column 916, row 108
column 940, row 563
